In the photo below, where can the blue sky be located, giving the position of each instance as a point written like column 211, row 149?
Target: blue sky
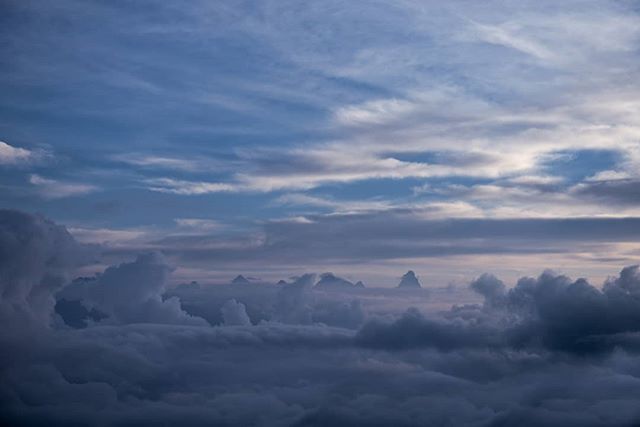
column 365, row 138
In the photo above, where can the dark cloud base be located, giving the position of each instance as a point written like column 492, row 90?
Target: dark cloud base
column 120, row 349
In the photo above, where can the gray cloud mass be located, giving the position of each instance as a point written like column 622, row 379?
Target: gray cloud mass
column 548, row 351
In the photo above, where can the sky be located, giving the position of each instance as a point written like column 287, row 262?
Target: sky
column 347, row 213
column 273, row 138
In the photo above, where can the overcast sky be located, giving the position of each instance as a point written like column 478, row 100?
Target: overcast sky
column 273, row 138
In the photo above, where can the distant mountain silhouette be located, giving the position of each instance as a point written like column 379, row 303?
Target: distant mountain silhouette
column 409, row 280
column 331, row 281
column 240, row 280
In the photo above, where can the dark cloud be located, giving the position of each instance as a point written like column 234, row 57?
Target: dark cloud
column 395, row 234
column 235, row 314
column 412, row 330
column 549, row 313
column 490, row 287
column 36, row 258
column 131, row 293
column 618, row 191
column 548, row 351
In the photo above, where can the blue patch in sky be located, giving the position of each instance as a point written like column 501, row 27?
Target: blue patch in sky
column 577, row 165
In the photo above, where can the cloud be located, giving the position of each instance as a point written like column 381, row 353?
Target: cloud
column 550, row 350
column 53, row 189
column 14, row 155
column 234, row 314
column 502, row 36
column 293, row 301
column 549, row 313
column 188, row 188
column 107, row 236
column 413, row 330
column 159, row 162
column 131, row 293
column 491, row 288
column 383, row 244
column 198, row 224
column 621, row 192
column 36, row 259
column 373, row 112
column 342, row 206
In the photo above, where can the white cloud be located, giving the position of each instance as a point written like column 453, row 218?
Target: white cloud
column 10, row 155
column 198, row 224
column 609, row 175
column 343, row 206
column 374, row 112
column 188, row 188
column 107, row 235
column 159, row 162
column 503, row 36
column 53, row 189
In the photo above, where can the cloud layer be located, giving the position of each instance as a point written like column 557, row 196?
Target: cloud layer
column 548, row 351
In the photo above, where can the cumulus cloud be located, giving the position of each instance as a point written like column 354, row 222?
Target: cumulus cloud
column 548, row 313
column 293, row 301
column 36, row 259
column 297, row 302
column 490, row 287
column 548, row 351
column 132, row 292
column 235, row 314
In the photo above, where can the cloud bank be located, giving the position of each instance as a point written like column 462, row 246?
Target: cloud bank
column 548, row 351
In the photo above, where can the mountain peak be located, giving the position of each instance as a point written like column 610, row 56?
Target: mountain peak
column 331, row 281
column 409, row 280
column 240, row 280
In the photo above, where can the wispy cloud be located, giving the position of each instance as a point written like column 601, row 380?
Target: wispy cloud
column 12, row 156
column 158, row 162
column 421, row 110
column 54, row 189
column 108, row 236
column 198, row 224
column 188, row 188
